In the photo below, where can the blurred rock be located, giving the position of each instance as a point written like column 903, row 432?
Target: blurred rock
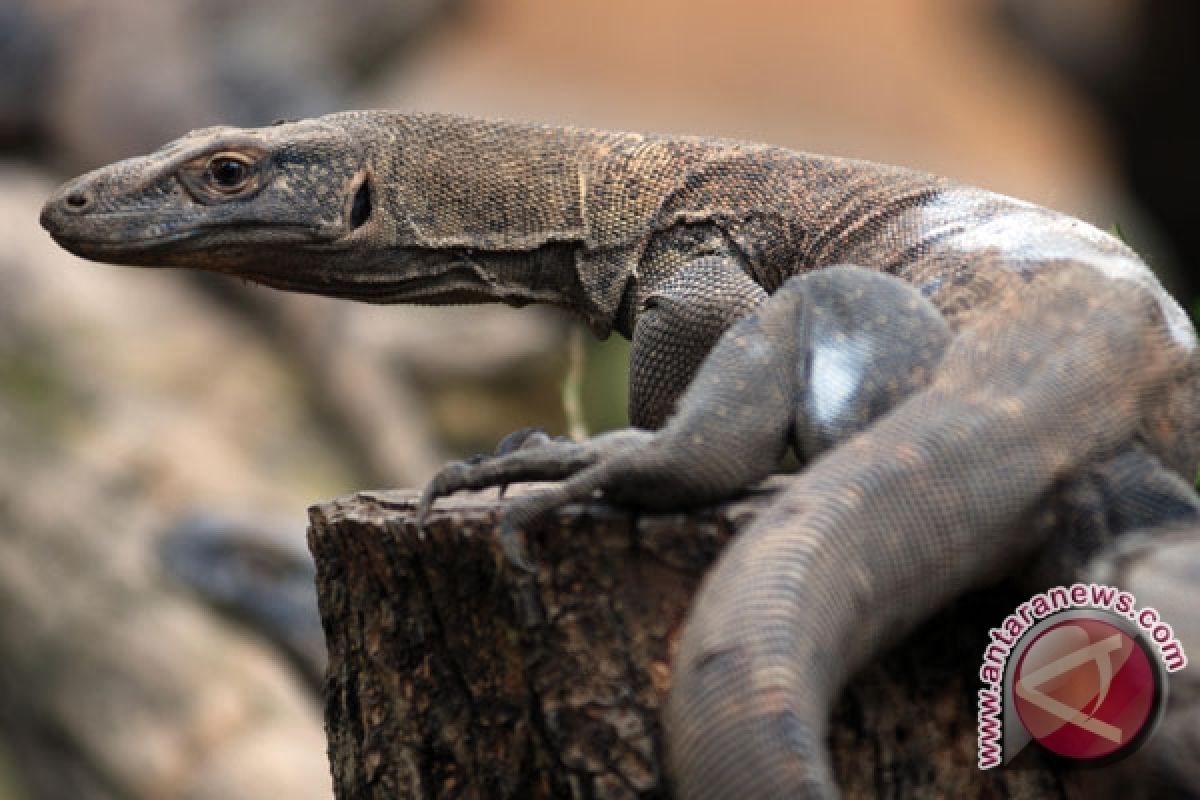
column 257, row 572
column 121, row 406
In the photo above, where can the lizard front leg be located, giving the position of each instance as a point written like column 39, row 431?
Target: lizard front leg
column 818, row 361
column 680, row 322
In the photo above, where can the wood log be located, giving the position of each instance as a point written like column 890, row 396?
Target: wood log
column 453, row 675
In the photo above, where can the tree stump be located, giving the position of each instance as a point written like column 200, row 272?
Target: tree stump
column 452, row 675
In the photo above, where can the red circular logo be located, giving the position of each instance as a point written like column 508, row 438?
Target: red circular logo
column 1085, row 689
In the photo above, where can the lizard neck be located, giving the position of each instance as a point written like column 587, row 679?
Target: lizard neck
column 413, row 275
column 476, row 211
column 447, row 210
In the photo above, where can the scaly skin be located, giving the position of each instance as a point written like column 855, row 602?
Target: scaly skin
column 1066, row 352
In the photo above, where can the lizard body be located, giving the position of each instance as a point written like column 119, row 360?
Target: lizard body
column 1065, row 352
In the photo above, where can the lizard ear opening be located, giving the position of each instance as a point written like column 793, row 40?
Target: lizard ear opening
column 360, row 209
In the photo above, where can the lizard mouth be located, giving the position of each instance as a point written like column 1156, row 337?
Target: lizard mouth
column 192, row 244
column 453, row 286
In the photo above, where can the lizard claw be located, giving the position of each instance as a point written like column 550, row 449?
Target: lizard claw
column 425, row 504
column 514, row 549
column 450, row 479
column 445, row 482
column 519, row 514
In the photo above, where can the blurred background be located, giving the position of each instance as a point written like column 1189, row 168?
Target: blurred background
column 161, row 433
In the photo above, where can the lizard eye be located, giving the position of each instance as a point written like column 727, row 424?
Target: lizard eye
column 227, row 173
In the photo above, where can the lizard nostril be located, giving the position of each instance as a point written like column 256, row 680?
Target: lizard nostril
column 78, row 200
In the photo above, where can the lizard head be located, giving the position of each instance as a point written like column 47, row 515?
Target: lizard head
column 222, row 199
column 384, row 207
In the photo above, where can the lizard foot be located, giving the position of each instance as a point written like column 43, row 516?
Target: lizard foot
column 514, row 548
column 532, row 455
column 536, row 457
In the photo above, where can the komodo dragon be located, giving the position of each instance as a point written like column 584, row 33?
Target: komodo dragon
column 1066, row 352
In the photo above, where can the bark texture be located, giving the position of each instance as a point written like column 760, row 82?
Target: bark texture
column 453, row 676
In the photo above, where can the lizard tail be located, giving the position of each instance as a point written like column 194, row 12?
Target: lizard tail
column 1063, row 375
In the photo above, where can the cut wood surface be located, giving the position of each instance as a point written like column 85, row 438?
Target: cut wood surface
column 454, row 675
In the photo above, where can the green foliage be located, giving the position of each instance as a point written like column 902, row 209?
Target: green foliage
column 572, row 385
column 30, row 387
column 606, row 384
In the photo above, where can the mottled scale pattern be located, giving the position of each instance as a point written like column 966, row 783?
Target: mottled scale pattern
column 1065, row 353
